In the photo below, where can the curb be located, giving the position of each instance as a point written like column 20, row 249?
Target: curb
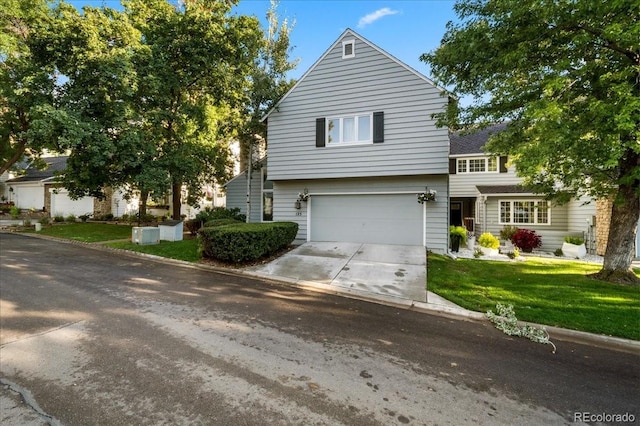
column 447, row 310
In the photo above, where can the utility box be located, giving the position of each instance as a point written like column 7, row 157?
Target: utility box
column 171, row 230
column 145, row 235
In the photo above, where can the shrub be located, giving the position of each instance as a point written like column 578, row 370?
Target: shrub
column 458, row 232
column 58, row 218
column 245, row 241
column 558, row 253
column 507, row 232
column 45, row 220
column 220, row 222
column 215, row 213
column 14, row 212
column 71, row 218
column 488, row 240
column 526, row 240
column 573, row 240
column 210, row 213
column 26, row 223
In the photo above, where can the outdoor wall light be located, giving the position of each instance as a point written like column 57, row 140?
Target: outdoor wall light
column 303, row 196
column 298, row 205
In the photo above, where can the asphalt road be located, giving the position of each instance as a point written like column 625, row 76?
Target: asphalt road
column 98, row 337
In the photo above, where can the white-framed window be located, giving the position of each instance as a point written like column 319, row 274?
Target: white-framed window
column 351, row 129
column 477, row 165
column 524, row 212
column 348, row 49
column 267, row 198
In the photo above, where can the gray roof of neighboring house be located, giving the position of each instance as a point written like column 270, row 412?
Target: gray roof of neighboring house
column 32, row 174
column 472, row 143
column 502, row 189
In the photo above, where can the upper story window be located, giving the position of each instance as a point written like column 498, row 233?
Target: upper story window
column 348, row 49
column 349, row 129
column 525, row 212
column 477, row 165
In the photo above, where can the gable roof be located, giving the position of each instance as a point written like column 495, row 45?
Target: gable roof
column 351, row 33
column 472, row 143
column 33, row 174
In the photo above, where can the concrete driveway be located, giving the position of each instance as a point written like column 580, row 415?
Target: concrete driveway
column 364, row 269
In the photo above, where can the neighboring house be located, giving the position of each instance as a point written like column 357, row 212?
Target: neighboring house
column 486, row 196
column 349, row 147
column 37, row 190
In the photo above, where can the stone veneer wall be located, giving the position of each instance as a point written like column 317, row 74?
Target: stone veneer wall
column 47, row 198
column 103, row 207
column 603, row 219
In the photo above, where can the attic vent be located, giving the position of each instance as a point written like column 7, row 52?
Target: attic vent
column 348, row 49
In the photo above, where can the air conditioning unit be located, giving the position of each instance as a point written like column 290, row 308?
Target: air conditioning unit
column 144, row 235
column 171, row 230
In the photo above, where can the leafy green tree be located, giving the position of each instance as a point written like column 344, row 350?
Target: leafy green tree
column 565, row 75
column 95, row 51
column 27, row 80
column 192, row 72
column 268, row 81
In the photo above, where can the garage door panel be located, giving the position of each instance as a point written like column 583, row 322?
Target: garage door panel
column 63, row 205
column 378, row 219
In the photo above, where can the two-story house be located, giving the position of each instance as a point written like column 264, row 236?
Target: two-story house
column 486, row 196
column 349, row 148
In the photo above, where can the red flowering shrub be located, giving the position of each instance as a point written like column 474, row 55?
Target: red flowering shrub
column 526, row 240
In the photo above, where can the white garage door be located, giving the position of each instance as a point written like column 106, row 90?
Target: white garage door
column 62, row 205
column 377, row 219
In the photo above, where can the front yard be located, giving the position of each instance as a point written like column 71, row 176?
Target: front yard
column 541, row 290
column 545, row 291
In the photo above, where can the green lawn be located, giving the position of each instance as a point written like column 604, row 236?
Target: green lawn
column 88, row 232
column 186, row 250
column 545, row 291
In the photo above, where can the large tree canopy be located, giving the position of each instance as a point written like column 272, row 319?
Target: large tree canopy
column 27, row 80
column 142, row 98
column 565, row 75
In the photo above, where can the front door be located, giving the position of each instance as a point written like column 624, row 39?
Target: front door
column 455, row 217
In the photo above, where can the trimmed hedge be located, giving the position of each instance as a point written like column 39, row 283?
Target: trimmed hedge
column 244, row 242
column 219, row 222
column 209, row 214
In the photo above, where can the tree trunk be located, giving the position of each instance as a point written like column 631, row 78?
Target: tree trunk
column 176, row 195
column 625, row 213
column 142, row 205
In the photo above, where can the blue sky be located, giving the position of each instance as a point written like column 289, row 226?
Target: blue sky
column 405, row 29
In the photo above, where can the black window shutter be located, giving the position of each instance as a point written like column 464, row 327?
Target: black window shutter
column 320, row 132
column 378, row 127
column 503, row 164
column 452, row 166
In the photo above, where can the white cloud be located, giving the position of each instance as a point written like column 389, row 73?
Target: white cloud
column 374, row 16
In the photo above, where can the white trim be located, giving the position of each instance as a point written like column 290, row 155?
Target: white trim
column 352, row 42
column 350, row 32
column 535, row 212
column 366, row 193
column 309, row 219
column 424, row 224
column 355, row 125
column 486, row 165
